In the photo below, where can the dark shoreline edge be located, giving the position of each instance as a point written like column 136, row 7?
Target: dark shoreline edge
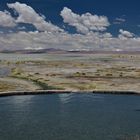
column 45, row 92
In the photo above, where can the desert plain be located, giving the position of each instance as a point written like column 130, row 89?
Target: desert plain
column 70, row 71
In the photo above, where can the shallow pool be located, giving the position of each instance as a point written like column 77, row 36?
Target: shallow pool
column 70, row 117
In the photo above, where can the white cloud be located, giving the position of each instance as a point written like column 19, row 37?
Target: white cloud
column 6, row 20
column 28, row 15
column 125, row 34
column 86, row 22
column 91, row 41
column 90, row 37
column 119, row 20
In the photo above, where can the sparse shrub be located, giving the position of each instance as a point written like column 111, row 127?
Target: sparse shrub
column 109, row 74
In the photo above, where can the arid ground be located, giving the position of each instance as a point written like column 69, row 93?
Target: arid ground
column 86, row 72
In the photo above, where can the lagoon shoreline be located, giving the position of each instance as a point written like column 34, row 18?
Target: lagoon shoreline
column 24, row 74
column 45, row 92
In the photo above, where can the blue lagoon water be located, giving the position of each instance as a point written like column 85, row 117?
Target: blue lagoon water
column 70, row 117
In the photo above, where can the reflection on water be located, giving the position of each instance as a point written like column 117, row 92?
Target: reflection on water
column 70, row 117
column 21, row 100
column 21, row 104
column 65, row 98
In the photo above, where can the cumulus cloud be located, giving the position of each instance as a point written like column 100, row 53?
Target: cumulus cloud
column 28, row 15
column 92, row 41
column 6, row 20
column 125, row 34
column 89, row 35
column 86, row 22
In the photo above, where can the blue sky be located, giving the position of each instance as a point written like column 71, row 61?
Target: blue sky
column 126, row 9
column 70, row 24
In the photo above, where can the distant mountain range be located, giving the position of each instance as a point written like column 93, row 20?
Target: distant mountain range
column 28, row 51
column 53, row 50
